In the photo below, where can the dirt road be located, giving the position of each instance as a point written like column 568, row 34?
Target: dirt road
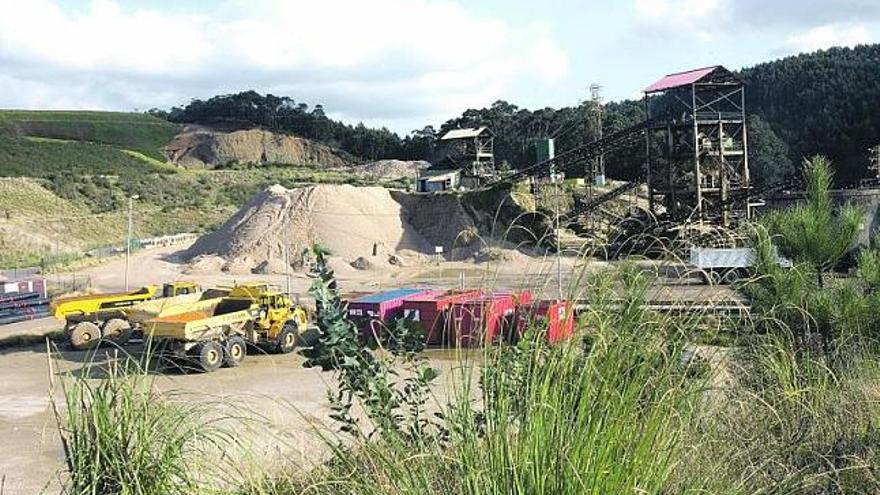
column 275, row 387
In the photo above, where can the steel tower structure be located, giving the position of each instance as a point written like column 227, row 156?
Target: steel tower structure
column 696, row 146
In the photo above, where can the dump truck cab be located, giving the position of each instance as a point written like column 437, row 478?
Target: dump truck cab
column 174, row 289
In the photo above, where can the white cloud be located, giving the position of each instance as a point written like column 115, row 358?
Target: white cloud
column 828, row 36
column 687, row 17
column 398, row 59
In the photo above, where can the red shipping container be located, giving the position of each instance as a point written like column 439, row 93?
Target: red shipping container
column 521, row 298
column 431, row 312
column 480, row 321
column 559, row 317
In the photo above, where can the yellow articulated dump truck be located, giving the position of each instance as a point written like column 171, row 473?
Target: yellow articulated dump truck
column 249, row 316
column 93, row 317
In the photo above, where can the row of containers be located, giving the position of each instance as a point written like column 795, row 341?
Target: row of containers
column 22, row 300
column 462, row 318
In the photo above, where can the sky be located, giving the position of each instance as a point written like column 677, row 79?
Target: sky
column 402, row 64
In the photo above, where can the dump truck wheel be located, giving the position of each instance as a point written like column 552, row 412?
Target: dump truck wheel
column 116, row 330
column 236, row 350
column 210, row 356
column 287, row 339
column 85, row 335
column 731, row 277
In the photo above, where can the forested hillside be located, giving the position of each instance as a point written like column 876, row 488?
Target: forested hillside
column 825, row 102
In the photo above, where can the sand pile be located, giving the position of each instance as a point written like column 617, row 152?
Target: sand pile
column 392, row 169
column 352, row 222
column 198, row 147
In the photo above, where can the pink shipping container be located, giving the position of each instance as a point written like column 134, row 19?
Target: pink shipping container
column 380, row 307
column 431, row 311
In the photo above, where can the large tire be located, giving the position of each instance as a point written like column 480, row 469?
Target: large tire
column 210, row 356
column 731, row 277
column 116, row 330
column 287, row 339
column 85, row 335
column 235, row 351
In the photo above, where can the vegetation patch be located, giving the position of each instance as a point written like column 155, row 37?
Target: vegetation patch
column 135, row 131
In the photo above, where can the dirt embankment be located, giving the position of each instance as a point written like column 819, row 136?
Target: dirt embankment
column 198, row 147
column 442, row 221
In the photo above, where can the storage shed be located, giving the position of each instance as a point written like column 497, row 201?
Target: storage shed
column 431, row 312
column 381, row 306
column 438, row 180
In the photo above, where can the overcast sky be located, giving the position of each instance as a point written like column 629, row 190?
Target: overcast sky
column 399, row 63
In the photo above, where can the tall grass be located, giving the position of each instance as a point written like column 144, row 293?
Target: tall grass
column 789, row 424
column 122, row 436
column 603, row 413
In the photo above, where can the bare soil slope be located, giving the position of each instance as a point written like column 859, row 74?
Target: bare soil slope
column 199, row 147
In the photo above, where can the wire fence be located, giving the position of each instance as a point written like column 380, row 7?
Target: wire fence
column 70, row 281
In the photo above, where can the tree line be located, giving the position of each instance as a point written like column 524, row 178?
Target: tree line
column 824, row 102
column 283, row 114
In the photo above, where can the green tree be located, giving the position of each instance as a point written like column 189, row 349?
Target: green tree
column 769, row 162
column 816, row 232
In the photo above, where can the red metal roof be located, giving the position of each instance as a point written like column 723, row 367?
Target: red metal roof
column 680, row 79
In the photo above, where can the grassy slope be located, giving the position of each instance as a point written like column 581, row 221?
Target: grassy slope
column 34, row 222
column 46, row 158
column 132, row 131
column 36, row 225
column 86, row 164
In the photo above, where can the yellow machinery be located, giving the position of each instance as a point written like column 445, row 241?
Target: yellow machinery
column 91, row 317
column 250, row 315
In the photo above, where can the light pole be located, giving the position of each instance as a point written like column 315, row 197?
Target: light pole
column 555, row 178
column 128, row 238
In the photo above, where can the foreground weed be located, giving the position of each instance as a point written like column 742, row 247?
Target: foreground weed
column 122, row 437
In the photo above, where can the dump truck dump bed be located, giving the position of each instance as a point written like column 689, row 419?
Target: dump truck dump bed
column 93, row 303
column 202, row 324
column 199, row 301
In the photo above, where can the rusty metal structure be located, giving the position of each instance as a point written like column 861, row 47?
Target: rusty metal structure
column 472, row 151
column 696, row 147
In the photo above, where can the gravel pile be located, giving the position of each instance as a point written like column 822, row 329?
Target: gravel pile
column 351, row 222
